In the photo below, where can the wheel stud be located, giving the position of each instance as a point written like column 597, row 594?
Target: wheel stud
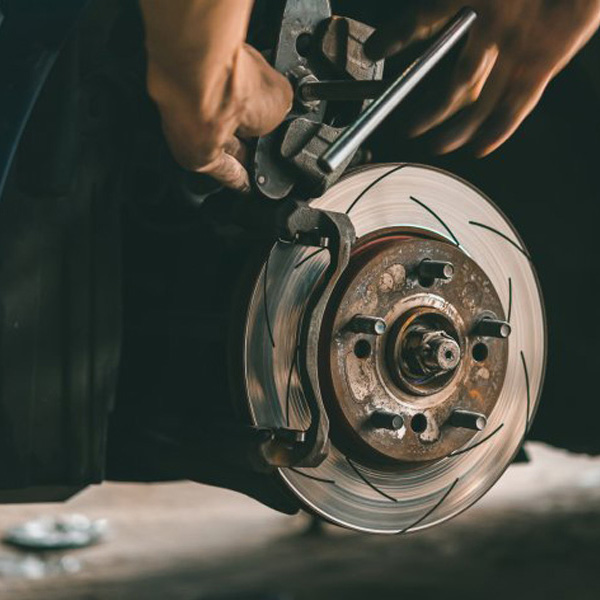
column 435, row 269
column 386, row 420
column 493, row 328
column 367, row 324
column 465, row 419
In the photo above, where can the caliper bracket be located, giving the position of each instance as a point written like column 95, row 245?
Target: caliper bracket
column 298, row 223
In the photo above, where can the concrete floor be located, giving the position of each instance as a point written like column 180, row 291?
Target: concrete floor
column 536, row 535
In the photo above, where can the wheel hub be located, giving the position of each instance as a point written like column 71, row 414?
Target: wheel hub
column 420, row 367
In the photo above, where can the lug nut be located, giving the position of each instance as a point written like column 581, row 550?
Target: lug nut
column 493, row 328
column 465, row 419
column 385, row 420
column 435, row 269
column 367, row 324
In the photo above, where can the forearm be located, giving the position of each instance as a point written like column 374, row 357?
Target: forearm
column 193, row 42
column 588, row 22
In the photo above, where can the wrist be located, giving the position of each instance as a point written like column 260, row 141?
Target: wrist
column 196, row 83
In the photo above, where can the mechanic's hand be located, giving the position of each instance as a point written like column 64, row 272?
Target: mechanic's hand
column 210, row 87
column 513, row 51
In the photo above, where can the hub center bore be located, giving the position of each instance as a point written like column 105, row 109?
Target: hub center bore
column 402, row 366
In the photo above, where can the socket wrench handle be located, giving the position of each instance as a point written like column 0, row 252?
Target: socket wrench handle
column 356, row 133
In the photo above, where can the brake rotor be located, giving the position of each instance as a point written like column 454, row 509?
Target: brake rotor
column 431, row 353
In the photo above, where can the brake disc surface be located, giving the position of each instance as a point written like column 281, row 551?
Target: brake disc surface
column 407, row 491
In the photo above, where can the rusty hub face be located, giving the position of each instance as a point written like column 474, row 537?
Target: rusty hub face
column 400, row 396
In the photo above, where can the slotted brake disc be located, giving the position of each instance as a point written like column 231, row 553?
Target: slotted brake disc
column 431, row 353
